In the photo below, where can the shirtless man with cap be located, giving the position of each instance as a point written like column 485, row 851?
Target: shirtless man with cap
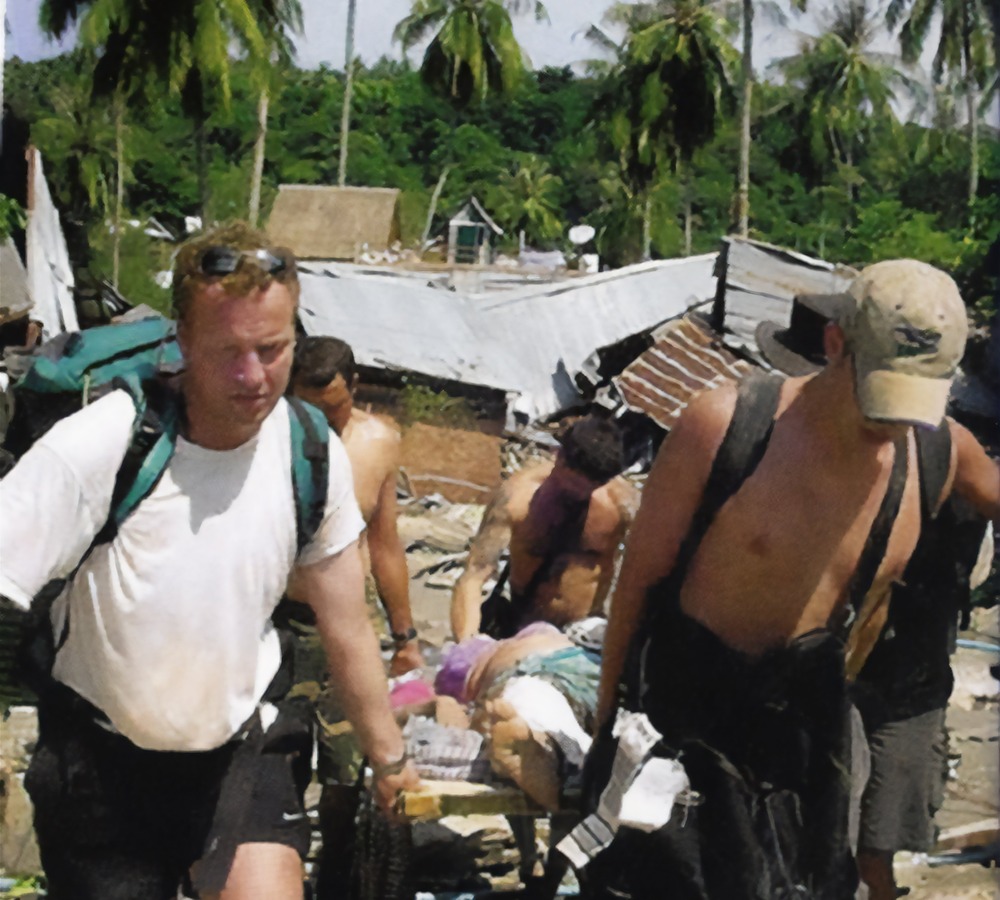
column 732, row 617
column 563, row 521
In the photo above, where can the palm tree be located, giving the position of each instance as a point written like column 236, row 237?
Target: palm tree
column 667, row 94
column 183, row 46
column 472, row 50
column 345, row 115
column 746, row 98
column 964, row 50
column 847, row 89
column 529, row 200
column 276, row 20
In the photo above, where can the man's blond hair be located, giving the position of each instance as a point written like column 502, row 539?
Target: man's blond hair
column 188, row 277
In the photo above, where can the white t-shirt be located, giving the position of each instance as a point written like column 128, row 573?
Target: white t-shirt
column 170, row 632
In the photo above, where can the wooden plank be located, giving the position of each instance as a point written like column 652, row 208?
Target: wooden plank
column 973, row 834
column 437, row 799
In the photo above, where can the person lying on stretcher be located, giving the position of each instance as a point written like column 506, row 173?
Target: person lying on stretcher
column 535, row 696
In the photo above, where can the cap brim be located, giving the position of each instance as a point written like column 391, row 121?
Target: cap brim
column 894, row 397
column 770, row 341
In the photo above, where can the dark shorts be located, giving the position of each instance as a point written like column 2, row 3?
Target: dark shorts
column 115, row 822
column 908, row 769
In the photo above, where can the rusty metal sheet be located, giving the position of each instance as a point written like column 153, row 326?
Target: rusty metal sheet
column 685, row 357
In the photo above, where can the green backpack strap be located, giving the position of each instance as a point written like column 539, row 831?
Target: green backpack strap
column 310, row 434
column 154, row 436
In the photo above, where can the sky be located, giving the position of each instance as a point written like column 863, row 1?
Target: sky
column 558, row 42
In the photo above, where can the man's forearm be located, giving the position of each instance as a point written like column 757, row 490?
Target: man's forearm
column 466, row 606
column 335, row 591
column 392, row 578
column 356, row 668
column 623, row 618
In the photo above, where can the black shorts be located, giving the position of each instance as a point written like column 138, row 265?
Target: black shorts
column 906, row 786
column 115, row 822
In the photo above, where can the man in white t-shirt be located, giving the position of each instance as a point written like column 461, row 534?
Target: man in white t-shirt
column 161, row 763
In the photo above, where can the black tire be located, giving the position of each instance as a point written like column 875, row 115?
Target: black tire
column 382, row 853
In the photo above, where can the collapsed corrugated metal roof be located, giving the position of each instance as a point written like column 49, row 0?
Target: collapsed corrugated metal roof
column 686, row 356
column 529, row 342
column 397, row 324
column 551, row 330
column 757, row 282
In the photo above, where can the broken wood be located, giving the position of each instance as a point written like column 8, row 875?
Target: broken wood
column 973, row 834
column 437, row 799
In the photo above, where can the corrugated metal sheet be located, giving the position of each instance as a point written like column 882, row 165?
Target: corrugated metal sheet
column 529, row 341
column 760, row 282
column 551, row 330
column 396, row 323
column 686, row 357
column 50, row 275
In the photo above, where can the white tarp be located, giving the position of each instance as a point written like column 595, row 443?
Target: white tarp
column 50, row 276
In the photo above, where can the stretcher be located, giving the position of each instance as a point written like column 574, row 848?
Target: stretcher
column 382, row 854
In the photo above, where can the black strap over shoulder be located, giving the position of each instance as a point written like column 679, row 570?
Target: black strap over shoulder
column 934, row 461
column 740, row 453
column 878, row 537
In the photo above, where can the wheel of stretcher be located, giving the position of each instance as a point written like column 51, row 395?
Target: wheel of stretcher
column 381, row 868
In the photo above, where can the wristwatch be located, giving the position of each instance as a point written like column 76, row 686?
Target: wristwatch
column 404, row 637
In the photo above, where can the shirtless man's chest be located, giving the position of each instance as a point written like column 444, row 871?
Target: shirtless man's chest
column 780, row 558
column 563, row 552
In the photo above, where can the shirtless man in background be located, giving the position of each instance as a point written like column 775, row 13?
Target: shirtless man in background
column 730, row 619
column 325, row 376
column 563, row 521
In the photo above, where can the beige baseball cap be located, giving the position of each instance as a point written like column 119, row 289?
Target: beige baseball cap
column 906, row 329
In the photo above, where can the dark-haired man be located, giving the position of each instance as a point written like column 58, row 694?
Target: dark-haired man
column 165, row 755
column 563, row 522
column 325, row 375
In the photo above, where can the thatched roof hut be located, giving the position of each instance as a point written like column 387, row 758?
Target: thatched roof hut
column 320, row 222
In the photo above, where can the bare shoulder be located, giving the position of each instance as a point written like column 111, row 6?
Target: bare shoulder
column 975, row 476
column 624, row 496
column 377, row 430
column 703, row 424
column 524, row 482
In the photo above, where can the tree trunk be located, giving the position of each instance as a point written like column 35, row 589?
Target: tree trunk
column 647, row 214
column 972, row 97
column 432, row 208
column 258, row 157
column 201, row 149
column 687, row 223
column 345, row 113
column 743, row 189
column 116, row 252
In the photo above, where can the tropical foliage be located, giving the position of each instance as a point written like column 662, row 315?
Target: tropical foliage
column 645, row 149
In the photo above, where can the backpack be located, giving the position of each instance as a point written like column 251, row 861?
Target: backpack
column 66, row 374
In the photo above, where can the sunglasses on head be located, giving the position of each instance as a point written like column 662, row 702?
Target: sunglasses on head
column 219, row 261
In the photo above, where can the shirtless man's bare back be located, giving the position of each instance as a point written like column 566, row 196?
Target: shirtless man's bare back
column 563, row 521
column 777, row 561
